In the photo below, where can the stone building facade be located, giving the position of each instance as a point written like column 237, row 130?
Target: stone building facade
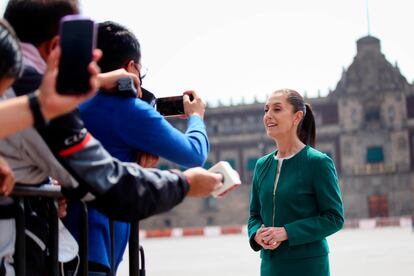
column 366, row 125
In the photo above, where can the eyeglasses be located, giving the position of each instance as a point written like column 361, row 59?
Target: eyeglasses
column 142, row 70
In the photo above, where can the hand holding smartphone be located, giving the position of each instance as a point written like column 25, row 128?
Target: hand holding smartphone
column 171, row 106
column 231, row 179
column 77, row 41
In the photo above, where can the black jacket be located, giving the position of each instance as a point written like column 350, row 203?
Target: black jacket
column 122, row 191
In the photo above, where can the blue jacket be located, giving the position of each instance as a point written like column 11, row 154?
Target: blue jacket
column 125, row 126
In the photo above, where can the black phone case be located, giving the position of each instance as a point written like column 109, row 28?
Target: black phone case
column 77, row 40
column 171, row 106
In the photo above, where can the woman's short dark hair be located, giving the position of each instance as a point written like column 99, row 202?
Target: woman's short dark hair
column 306, row 128
column 11, row 64
column 37, row 21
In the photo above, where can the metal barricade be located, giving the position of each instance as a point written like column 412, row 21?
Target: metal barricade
column 52, row 193
column 136, row 253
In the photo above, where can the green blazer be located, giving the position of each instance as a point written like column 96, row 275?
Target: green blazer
column 307, row 203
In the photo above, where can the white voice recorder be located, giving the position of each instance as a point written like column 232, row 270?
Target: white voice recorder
column 231, row 179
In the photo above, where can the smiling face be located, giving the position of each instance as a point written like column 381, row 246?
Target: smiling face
column 279, row 118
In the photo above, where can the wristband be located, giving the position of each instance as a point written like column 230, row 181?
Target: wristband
column 39, row 120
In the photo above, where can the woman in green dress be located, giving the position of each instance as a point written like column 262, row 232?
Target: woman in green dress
column 295, row 199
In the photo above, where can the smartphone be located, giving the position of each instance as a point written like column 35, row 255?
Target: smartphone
column 171, row 106
column 77, row 41
column 231, row 178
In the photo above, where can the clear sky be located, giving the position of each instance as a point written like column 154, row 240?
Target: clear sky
column 241, row 48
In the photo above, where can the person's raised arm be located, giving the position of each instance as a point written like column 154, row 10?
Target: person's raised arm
column 145, row 125
column 194, row 107
column 17, row 114
column 22, row 112
column 108, row 81
column 122, row 191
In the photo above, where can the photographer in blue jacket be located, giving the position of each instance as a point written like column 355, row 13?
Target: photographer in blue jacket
column 132, row 130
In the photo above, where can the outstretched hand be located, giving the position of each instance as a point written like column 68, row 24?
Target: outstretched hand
column 202, row 182
column 194, row 107
column 108, row 81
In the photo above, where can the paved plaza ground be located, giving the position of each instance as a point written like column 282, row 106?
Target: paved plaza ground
column 354, row 252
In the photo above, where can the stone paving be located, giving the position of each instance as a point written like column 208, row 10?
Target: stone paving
column 379, row 252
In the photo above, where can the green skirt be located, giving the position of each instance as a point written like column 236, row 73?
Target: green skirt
column 316, row 266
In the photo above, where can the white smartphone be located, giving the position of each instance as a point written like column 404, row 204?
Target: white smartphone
column 231, row 178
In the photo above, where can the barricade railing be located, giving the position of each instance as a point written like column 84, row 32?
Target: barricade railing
column 51, row 193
